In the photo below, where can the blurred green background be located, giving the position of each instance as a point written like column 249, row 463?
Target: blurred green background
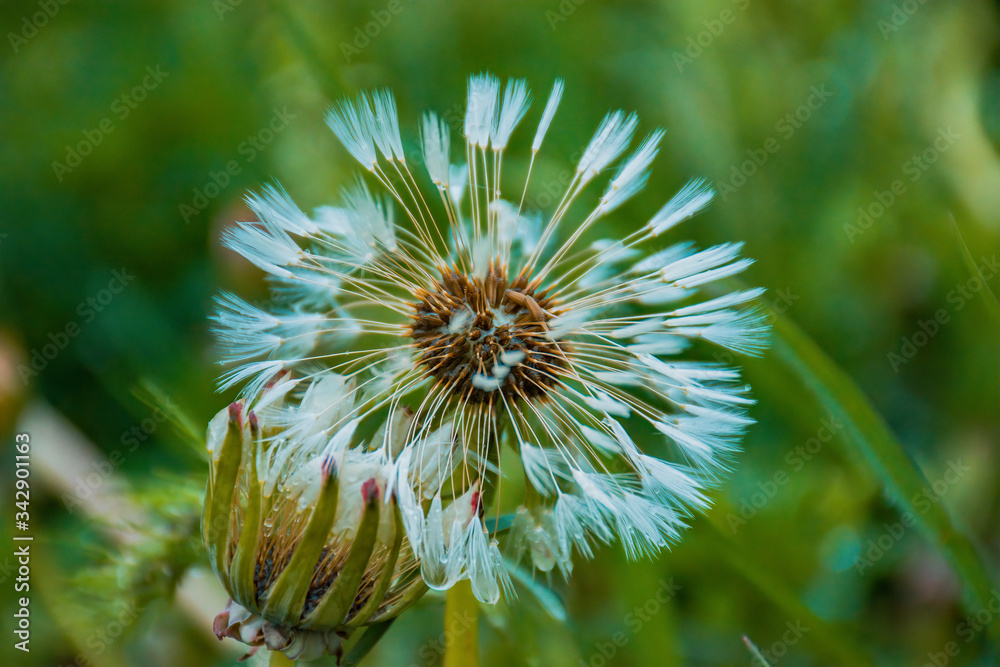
column 855, row 148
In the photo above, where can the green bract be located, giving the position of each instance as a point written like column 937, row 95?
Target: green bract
column 309, row 552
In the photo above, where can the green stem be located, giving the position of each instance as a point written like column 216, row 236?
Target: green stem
column 461, row 616
column 279, row 659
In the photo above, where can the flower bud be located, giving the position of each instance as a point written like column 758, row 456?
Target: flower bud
column 306, row 543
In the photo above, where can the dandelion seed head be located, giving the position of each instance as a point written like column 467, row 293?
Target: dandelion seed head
column 427, row 322
column 465, row 328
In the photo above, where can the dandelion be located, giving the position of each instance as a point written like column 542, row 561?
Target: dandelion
column 427, row 323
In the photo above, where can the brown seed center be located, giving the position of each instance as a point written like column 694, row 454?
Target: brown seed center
column 483, row 337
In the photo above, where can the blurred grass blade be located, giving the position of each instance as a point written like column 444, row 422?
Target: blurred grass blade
column 366, row 642
column 324, row 69
column 867, row 433
column 548, row 599
column 500, row 524
column 758, row 659
column 986, row 293
column 833, row 640
column 153, row 396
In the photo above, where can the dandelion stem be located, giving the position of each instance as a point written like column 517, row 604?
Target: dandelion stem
column 279, row 659
column 461, row 615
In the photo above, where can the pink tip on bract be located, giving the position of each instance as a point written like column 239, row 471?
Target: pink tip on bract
column 329, row 467
column 236, row 412
column 369, row 490
column 220, row 625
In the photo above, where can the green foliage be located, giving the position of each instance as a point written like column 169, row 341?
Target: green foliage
column 859, row 526
column 142, row 563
